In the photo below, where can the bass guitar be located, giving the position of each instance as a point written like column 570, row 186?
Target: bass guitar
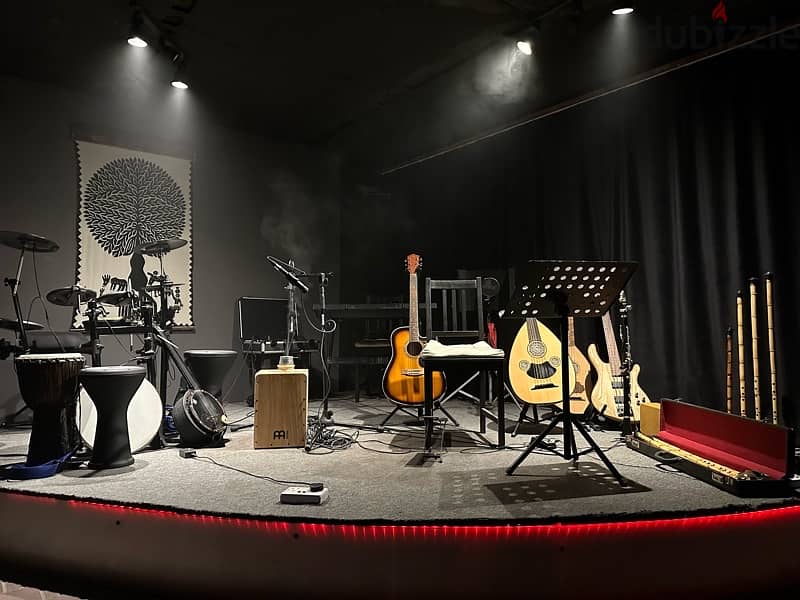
column 580, row 398
column 403, row 380
column 608, row 395
column 534, row 365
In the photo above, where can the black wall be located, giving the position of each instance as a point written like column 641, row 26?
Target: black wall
column 692, row 175
column 250, row 198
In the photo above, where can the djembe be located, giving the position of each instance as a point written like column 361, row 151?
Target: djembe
column 111, row 389
column 48, row 384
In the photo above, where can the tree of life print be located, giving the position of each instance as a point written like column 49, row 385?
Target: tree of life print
column 130, row 202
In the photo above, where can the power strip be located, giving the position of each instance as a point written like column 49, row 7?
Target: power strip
column 303, row 495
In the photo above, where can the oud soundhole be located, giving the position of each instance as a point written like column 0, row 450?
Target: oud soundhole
column 414, row 348
column 536, row 348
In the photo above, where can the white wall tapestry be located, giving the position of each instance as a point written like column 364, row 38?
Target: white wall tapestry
column 129, row 198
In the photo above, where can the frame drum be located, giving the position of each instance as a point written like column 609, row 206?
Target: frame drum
column 144, row 416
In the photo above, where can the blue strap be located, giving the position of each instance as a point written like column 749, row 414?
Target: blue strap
column 25, row 471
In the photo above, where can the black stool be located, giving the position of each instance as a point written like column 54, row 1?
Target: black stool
column 210, row 367
column 111, row 389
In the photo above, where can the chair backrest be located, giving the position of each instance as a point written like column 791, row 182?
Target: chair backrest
column 459, row 314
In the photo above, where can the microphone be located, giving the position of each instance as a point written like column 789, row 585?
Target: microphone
column 291, row 277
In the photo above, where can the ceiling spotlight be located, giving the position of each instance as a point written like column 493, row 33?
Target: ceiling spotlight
column 138, row 32
column 525, row 47
column 178, row 79
column 622, row 11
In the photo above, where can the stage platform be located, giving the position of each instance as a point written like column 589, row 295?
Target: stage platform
column 386, row 499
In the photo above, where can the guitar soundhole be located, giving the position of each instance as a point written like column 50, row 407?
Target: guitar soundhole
column 555, row 361
column 524, row 364
column 414, row 348
column 536, row 348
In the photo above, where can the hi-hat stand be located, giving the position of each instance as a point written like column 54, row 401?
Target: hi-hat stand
column 562, row 289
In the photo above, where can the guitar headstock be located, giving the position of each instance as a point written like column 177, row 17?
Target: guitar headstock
column 413, row 263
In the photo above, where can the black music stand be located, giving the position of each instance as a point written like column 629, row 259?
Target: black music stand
column 562, row 289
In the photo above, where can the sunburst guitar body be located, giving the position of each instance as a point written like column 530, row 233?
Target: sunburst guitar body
column 608, row 395
column 534, row 365
column 403, row 379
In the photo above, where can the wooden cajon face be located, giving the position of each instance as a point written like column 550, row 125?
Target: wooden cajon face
column 281, row 407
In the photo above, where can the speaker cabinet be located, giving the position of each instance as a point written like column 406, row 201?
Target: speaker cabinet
column 281, row 406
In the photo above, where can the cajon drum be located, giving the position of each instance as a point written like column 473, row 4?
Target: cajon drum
column 650, row 418
column 280, row 400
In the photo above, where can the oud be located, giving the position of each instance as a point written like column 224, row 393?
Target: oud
column 403, row 380
column 534, row 365
column 608, row 396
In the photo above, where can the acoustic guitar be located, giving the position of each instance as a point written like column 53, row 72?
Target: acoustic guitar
column 403, row 380
column 534, row 364
column 608, row 394
column 580, row 398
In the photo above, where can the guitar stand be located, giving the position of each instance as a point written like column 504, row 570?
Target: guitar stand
column 523, row 416
column 560, row 289
column 627, row 364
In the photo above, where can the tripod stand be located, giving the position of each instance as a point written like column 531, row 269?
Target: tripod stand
column 560, row 289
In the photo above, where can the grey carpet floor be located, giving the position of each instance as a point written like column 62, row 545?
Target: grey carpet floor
column 378, row 476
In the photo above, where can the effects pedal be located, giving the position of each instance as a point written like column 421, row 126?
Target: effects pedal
column 316, row 494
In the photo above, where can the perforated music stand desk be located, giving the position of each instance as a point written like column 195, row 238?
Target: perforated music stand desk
column 563, row 289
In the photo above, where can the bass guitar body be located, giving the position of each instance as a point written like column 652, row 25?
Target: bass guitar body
column 403, row 380
column 534, row 365
column 608, row 396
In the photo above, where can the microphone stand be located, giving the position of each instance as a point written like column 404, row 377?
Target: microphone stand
column 293, row 275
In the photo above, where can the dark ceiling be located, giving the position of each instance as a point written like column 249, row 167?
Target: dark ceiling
column 294, row 71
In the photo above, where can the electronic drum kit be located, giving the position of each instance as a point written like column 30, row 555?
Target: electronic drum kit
column 76, row 405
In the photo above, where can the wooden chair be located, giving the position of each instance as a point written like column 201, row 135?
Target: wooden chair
column 460, row 320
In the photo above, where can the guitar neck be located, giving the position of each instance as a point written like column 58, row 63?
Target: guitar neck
column 611, row 344
column 571, row 331
column 413, row 308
